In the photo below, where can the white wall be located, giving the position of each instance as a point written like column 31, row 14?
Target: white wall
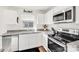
column 49, row 18
column 7, row 17
column 36, row 16
column 24, row 17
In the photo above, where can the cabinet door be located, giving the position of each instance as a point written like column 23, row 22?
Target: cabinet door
column 35, row 40
column 14, row 43
column 73, row 46
column 23, row 42
column 41, row 18
column 27, row 41
column 45, row 41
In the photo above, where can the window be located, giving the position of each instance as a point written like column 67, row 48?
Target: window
column 28, row 24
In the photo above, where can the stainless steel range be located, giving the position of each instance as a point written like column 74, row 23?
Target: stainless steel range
column 58, row 42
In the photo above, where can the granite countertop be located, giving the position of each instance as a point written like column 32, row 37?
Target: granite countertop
column 23, row 32
column 18, row 33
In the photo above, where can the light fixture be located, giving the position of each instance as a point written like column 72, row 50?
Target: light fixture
column 27, row 11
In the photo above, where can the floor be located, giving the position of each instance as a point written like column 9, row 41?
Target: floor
column 29, row 50
column 37, row 49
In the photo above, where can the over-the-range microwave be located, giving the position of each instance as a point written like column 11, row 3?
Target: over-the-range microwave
column 65, row 15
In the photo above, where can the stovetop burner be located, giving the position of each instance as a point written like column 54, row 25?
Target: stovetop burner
column 64, row 37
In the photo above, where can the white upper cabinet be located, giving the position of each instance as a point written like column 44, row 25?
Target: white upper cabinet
column 40, row 18
column 49, row 17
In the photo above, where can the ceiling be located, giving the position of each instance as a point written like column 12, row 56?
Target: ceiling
column 29, row 7
column 35, row 7
column 32, row 8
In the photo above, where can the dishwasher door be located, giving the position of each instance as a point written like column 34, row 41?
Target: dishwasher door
column 6, row 43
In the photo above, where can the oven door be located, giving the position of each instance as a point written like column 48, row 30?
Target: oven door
column 55, row 47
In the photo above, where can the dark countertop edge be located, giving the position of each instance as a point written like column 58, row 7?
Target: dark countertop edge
column 19, row 33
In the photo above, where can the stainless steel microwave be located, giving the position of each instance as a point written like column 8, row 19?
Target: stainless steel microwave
column 67, row 15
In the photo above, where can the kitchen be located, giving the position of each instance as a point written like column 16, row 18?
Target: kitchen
column 42, row 28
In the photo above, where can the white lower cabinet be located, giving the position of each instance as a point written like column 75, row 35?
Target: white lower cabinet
column 10, row 43
column 0, row 43
column 14, row 43
column 45, row 42
column 23, row 42
column 73, row 46
column 27, row 41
